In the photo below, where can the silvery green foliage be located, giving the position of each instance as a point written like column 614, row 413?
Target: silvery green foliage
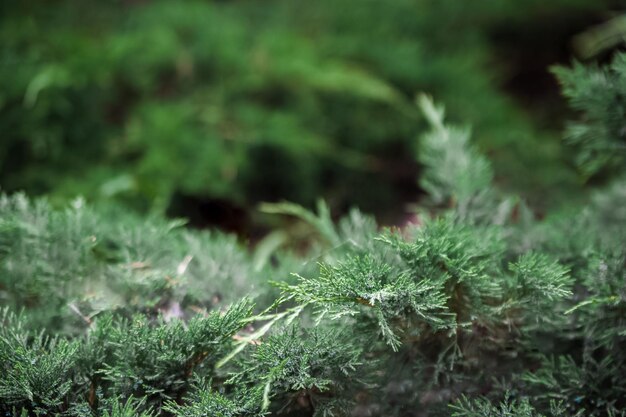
column 495, row 313
column 158, row 360
column 455, row 169
column 314, row 371
column 113, row 407
column 456, row 175
column 205, row 402
column 68, row 265
column 151, row 361
column 37, row 370
column 508, row 408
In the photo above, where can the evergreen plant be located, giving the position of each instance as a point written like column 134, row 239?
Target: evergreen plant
column 476, row 308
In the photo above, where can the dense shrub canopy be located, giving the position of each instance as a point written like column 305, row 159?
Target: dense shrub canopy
column 170, row 104
column 483, row 304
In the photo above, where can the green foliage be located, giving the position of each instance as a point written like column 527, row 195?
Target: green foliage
column 598, row 95
column 152, row 361
column 205, row 402
column 113, row 407
column 68, row 265
column 321, row 222
column 455, row 173
column 310, row 371
column 539, row 280
column 594, row 387
column 508, row 408
column 477, row 308
column 454, row 168
column 142, row 103
column 37, row 371
column 445, row 297
column 157, row 361
column 361, row 284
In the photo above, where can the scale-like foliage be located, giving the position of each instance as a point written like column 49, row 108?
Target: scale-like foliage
column 312, row 371
column 113, row 407
column 153, row 362
column 205, row 403
column 470, row 302
column 454, row 168
column 37, row 371
column 68, row 265
column 508, row 408
column 366, row 286
column 158, row 361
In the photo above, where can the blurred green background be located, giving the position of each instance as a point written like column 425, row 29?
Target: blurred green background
column 203, row 109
